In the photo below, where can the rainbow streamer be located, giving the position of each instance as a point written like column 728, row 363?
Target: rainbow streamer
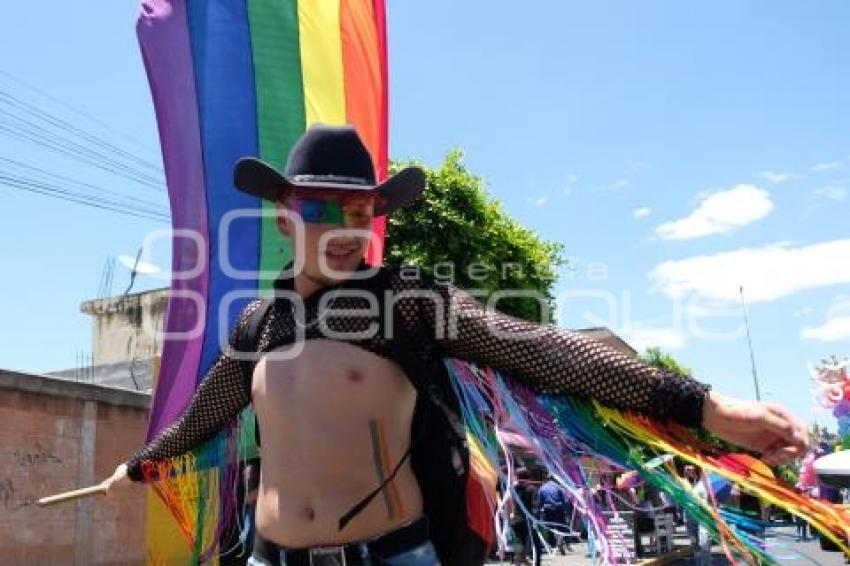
column 232, row 78
column 560, row 431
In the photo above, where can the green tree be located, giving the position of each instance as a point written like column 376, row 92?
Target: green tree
column 660, row 359
column 656, row 357
column 457, row 231
column 789, row 473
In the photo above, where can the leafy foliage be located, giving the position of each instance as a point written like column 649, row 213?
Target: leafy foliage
column 457, row 232
column 789, row 473
column 656, row 357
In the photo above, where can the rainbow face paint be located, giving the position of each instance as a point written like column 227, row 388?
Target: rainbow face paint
column 339, row 210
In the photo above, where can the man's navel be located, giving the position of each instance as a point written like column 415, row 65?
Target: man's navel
column 308, row 513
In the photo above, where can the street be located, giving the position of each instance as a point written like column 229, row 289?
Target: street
column 781, row 541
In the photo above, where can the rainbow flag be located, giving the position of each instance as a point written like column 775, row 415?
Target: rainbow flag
column 232, row 78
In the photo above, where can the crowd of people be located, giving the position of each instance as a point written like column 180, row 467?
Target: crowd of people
column 543, row 517
column 556, row 526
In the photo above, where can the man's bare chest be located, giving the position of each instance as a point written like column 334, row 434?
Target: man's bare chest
column 332, row 377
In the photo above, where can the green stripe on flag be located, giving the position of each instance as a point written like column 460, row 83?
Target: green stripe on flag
column 280, row 106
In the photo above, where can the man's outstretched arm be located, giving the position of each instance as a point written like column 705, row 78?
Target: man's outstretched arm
column 559, row 361
column 218, row 400
column 222, row 394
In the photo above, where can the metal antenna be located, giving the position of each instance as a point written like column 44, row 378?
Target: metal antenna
column 136, row 267
column 133, row 272
column 107, row 288
column 750, row 344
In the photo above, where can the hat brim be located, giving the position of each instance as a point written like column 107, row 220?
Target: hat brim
column 260, row 179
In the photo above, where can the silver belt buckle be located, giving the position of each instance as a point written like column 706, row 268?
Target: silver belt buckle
column 327, row 556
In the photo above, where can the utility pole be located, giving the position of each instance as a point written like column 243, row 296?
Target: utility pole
column 750, row 344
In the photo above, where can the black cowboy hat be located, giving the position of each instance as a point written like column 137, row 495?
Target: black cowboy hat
column 329, row 157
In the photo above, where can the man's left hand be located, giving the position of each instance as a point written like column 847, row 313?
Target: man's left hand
column 764, row 427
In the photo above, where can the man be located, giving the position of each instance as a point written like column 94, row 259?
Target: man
column 556, row 512
column 335, row 411
column 524, row 501
column 699, row 535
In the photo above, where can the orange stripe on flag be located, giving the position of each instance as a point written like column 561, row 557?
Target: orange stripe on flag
column 365, row 89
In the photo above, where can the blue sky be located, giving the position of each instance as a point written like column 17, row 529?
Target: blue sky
column 678, row 150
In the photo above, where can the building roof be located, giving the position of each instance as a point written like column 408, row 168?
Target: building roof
column 609, row 338
column 50, row 385
column 135, row 375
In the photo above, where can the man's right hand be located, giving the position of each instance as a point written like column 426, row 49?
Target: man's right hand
column 118, row 478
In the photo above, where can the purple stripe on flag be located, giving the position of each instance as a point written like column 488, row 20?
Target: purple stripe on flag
column 163, row 34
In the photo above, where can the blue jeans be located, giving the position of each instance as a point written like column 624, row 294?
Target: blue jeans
column 423, row 555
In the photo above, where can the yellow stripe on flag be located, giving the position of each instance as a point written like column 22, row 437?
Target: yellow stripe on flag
column 321, row 61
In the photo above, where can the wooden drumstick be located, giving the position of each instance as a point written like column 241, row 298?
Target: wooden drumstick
column 99, row 489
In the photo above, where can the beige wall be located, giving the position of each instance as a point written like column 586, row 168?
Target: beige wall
column 55, row 436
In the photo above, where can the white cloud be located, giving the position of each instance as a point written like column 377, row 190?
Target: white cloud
column 776, row 177
column 619, row 184
column 827, row 166
column 832, row 330
column 640, row 337
column 539, row 201
column 836, row 326
column 718, row 213
column 837, row 193
column 767, row 273
column 705, row 308
column 642, row 212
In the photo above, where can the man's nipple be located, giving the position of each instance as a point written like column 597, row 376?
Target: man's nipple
column 355, row 376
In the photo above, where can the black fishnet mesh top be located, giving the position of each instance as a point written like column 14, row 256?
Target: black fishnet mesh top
column 443, row 321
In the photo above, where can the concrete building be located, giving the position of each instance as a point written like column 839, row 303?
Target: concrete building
column 126, row 327
column 125, row 332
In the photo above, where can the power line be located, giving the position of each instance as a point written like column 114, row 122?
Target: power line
column 26, row 130
column 47, row 190
column 32, row 186
column 15, row 102
column 84, row 185
column 22, row 120
column 108, row 127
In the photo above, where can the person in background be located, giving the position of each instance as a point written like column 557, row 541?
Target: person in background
column 525, row 492
column 800, row 524
column 555, row 510
column 702, row 541
column 692, row 527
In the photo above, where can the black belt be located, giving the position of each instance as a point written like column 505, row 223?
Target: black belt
column 385, row 546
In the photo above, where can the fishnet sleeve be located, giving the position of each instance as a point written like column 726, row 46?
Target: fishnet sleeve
column 554, row 360
column 222, row 394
